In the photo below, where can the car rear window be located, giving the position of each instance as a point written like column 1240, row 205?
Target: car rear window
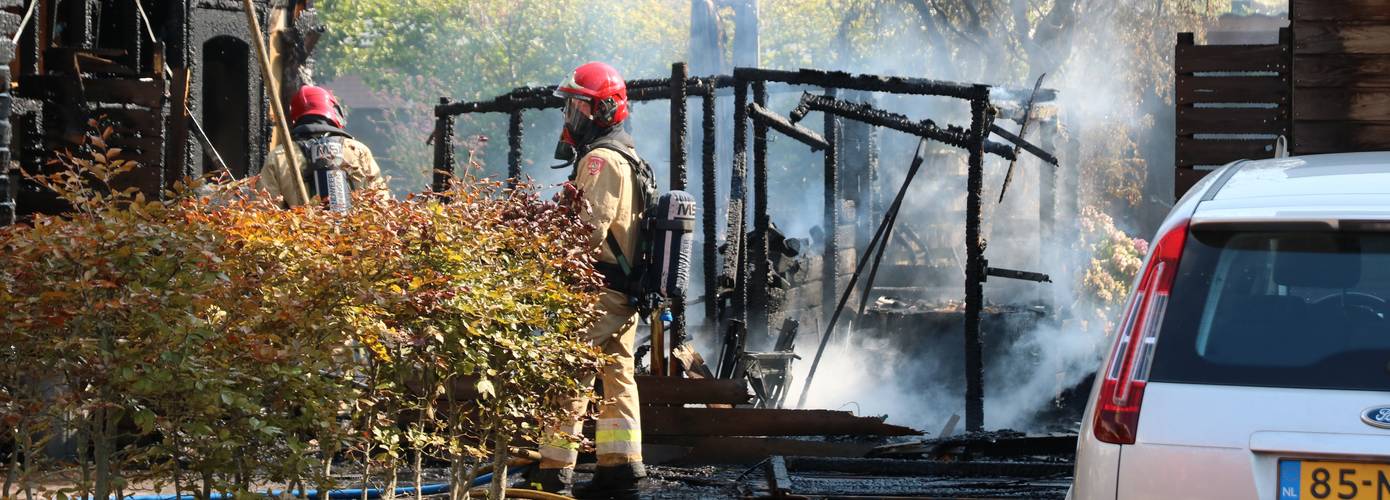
column 1279, row 309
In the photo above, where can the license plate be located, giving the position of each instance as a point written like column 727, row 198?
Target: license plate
column 1305, row 479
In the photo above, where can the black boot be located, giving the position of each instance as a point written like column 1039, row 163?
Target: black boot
column 616, row 482
column 556, row 481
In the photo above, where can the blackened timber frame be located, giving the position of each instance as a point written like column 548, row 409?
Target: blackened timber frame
column 975, row 140
column 749, row 293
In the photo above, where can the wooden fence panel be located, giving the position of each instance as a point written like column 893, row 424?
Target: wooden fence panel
column 1232, row 89
column 1339, row 10
column 1185, row 178
column 1229, row 58
column 1337, row 38
column 1341, row 71
column 1339, row 136
column 1232, row 121
column 1342, row 104
column 1221, row 151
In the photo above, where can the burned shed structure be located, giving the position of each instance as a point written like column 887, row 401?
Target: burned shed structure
column 177, row 80
column 738, row 296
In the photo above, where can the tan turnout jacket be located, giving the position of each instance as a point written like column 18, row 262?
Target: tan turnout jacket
column 605, row 181
column 361, row 167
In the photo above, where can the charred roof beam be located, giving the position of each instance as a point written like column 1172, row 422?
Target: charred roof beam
column 1027, row 146
column 781, row 124
column 952, row 135
column 871, row 83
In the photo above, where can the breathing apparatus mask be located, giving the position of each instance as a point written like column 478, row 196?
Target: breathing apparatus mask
column 579, row 123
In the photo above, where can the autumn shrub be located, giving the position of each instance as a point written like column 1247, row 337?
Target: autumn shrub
column 1115, row 258
column 213, row 341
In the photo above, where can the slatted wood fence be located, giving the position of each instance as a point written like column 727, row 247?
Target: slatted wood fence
column 1233, row 102
column 1341, row 73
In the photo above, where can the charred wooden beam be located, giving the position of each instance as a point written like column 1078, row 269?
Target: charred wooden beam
column 749, row 450
column 951, row 135
column 903, row 468
column 675, row 421
column 757, row 322
column 544, row 97
column 981, row 118
column 831, row 190
column 8, row 177
column 681, row 391
column 1041, row 153
column 443, row 148
column 1017, row 275
column 779, row 123
column 735, row 268
column 707, row 185
column 515, row 133
column 872, row 83
column 679, row 154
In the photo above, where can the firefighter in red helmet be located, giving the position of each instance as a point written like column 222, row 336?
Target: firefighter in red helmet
column 331, row 162
column 612, row 181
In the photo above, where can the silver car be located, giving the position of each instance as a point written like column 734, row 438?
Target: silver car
column 1253, row 358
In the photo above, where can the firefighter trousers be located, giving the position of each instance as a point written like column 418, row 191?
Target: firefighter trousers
column 618, row 435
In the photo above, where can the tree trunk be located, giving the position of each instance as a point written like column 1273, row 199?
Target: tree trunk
column 419, row 460
column 102, row 456
column 497, row 490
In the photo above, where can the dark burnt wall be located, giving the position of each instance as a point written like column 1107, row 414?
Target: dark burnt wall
column 225, row 88
column 82, row 59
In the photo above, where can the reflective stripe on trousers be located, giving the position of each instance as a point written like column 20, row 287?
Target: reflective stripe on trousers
column 618, row 436
column 619, row 431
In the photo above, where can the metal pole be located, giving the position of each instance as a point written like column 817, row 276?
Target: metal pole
column 282, row 124
column 981, row 117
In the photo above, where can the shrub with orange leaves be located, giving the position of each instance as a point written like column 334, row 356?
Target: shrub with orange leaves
column 213, row 341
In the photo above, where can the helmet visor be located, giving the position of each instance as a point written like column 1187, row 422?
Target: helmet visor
column 579, row 114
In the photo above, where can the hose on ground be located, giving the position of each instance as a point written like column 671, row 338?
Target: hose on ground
column 520, row 493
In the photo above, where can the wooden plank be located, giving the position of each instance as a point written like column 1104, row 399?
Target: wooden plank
column 1227, row 58
column 176, row 148
column 1244, row 89
column 680, row 391
column 1219, row 152
column 1339, row 10
column 746, row 450
column 1338, row 137
column 1333, row 38
column 147, row 93
column 1232, row 121
column 1342, row 104
column 1184, row 179
column 677, row 421
column 1342, row 71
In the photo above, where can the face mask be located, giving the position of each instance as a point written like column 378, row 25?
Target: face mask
column 564, row 150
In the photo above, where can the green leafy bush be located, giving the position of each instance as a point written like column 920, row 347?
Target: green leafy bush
column 212, row 341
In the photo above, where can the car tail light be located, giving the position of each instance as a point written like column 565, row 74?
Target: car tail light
column 1122, row 388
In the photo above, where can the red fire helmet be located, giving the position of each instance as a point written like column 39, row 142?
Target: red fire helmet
column 311, row 100
column 601, row 86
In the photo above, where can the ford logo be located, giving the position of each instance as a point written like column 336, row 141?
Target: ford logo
column 1377, row 416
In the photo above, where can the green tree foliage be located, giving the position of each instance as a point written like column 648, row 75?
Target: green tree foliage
column 214, row 341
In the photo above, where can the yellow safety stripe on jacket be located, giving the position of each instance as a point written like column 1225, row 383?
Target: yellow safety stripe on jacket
column 618, row 436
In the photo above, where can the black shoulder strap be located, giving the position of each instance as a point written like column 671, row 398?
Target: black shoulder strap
column 634, row 163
